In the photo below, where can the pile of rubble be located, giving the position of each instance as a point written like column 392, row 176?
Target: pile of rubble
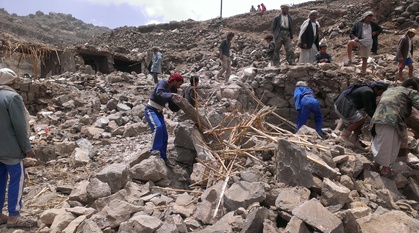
column 239, row 169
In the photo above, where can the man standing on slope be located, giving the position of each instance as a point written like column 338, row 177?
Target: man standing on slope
column 225, row 58
column 282, row 30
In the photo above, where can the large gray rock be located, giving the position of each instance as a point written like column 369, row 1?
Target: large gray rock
column 118, row 211
column 293, row 165
column 289, row 198
column 140, row 223
column 313, row 213
column 242, row 194
column 254, row 220
column 115, row 175
column 334, row 193
column 97, row 189
column 183, row 135
column 151, row 169
column 390, row 222
column 297, row 225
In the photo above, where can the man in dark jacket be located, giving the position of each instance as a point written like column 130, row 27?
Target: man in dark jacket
column 225, row 57
column 348, row 105
column 405, row 53
column 362, row 38
column 283, row 34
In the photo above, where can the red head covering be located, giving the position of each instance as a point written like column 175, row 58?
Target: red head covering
column 175, row 77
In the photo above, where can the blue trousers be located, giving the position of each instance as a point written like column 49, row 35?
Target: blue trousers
column 310, row 104
column 16, row 183
column 158, row 128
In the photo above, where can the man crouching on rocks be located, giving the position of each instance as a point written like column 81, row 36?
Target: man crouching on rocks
column 15, row 145
column 162, row 95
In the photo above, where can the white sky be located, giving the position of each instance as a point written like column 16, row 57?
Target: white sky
column 117, row 13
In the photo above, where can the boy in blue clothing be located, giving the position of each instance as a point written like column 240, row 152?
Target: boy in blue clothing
column 305, row 103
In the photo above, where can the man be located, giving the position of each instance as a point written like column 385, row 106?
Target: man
column 348, row 105
column 388, row 124
column 162, row 95
column 308, row 39
column 224, row 50
column 156, row 64
column 190, row 92
column 405, row 53
column 375, row 28
column 282, row 30
column 305, row 103
column 15, row 145
column 361, row 38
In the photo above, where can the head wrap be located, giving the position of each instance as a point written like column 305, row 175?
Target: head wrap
column 175, row 77
column 366, row 14
column 323, row 43
column 285, row 5
column 301, row 84
column 412, row 30
column 312, row 12
column 7, row 76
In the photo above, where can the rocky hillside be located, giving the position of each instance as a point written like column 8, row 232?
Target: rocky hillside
column 50, row 29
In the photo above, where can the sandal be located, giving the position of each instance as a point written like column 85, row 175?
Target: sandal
column 22, row 222
column 3, row 219
column 389, row 174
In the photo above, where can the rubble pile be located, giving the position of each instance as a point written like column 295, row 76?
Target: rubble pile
column 243, row 172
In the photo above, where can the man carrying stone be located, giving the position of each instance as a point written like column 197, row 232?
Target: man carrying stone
column 348, row 105
column 283, row 34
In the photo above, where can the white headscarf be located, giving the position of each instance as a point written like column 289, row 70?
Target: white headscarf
column 7, row 76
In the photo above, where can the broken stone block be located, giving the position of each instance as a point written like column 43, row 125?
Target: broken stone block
column 292, row 165
column 80, row 157
column 79, row 192
column 183, row 133
column 310, row 211
column 47, row 217
column 151, row 169
column 61, row 221
column 140, row 223
column 242, row 194
column 72, row 226
column 254, row 220
column 392, row 221
column 118, row 211
column 349, row 221
column 115, row 175
column 97, row 189
column 289, row 198
column 297, row 225
column 334, row 193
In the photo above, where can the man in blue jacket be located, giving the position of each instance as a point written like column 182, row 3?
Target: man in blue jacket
column 15, row 145
column 305, row 103
column 162, row 95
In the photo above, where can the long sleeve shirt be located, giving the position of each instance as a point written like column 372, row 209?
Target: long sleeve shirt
column 225, row 48
column 395, row 107
column 14, row 140
column 360, row 98
column 299, row 93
